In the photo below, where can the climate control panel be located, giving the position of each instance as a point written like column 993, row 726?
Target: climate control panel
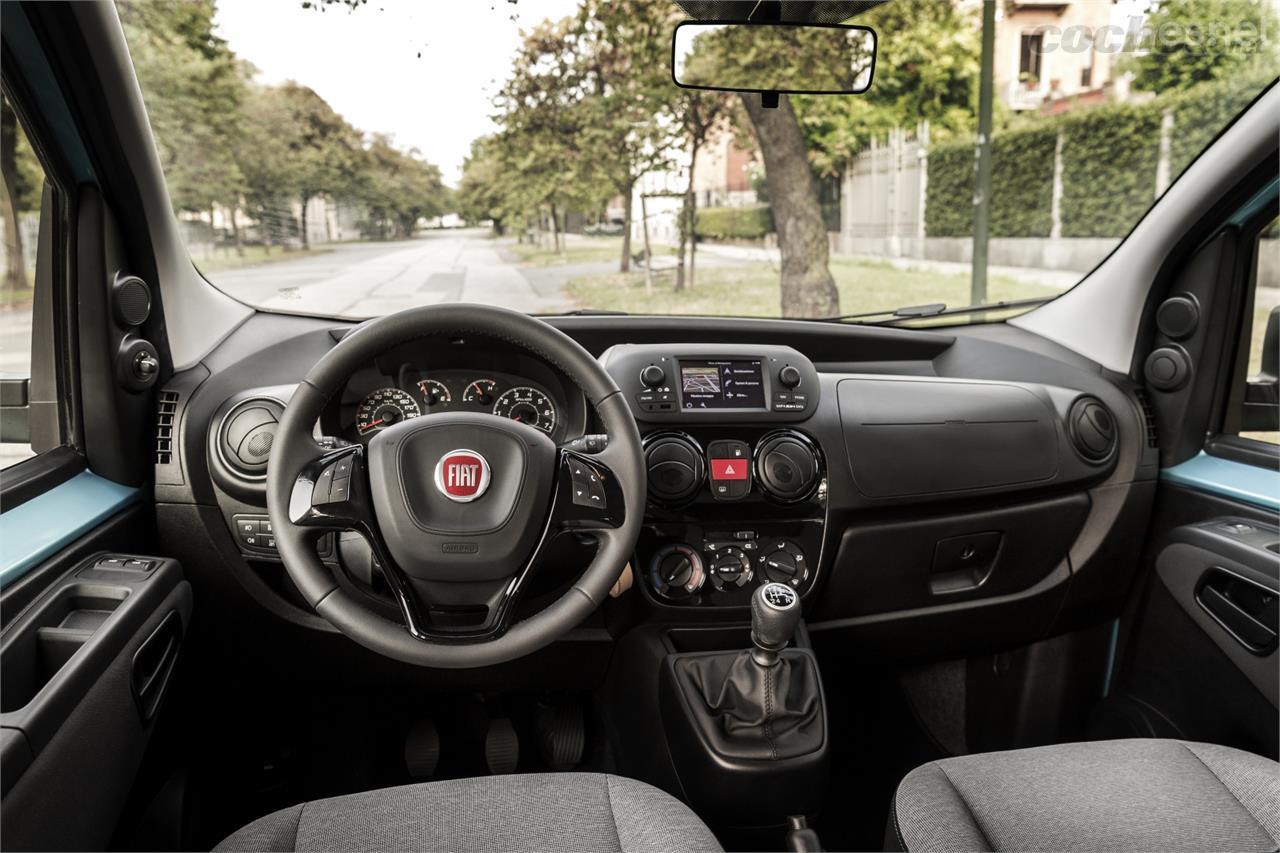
column 694, row 566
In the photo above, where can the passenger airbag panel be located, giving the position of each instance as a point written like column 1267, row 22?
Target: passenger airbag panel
column 911, row 437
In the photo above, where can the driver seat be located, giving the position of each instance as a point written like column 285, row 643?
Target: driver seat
column 537, row 811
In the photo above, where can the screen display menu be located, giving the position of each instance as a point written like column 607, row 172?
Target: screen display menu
column 722, row 384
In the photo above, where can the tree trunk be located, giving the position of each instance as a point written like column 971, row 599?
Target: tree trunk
column 555, row 231
column 808, row 290
column 306, row 240
column 235, row 231
column 625, row 264
column 686, row 223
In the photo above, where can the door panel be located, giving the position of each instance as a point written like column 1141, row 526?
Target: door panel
column 84, row 667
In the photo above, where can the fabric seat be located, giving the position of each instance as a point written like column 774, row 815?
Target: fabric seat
column 546, row 811
column 1108, row 795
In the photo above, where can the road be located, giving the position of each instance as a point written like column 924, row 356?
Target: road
column 370, row 279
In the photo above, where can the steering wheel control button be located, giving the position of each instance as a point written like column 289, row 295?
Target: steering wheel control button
column 462, row 475
column 730, row 463
column 588, row 490
column 324, row 483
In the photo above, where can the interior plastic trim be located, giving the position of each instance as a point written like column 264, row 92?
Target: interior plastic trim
column 38, row 529
column 1249, row 483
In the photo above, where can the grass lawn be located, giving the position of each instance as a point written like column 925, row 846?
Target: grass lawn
column 226, row 259
column 579, row 250
column 753, row 290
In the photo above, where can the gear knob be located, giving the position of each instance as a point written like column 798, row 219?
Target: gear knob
column 775, row 613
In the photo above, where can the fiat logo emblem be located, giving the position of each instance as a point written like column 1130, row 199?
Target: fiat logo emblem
column 462, row 475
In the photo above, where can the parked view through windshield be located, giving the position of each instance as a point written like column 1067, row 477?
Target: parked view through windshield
column 350, row 159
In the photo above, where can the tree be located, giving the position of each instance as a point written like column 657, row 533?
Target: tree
column 325, row 149
column 194, row 89
column 700, row 113
column 626, row 48
column 1197, row 40
column 795, row 56
column 401, row 188
column 808, row 289
column 926, row 69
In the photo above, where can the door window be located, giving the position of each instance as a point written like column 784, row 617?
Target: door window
column 1260, row 406
column 22, row 184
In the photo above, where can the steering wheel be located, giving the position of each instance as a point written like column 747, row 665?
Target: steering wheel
column 457, row 507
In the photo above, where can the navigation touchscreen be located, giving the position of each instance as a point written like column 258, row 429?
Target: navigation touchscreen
column 727, row 384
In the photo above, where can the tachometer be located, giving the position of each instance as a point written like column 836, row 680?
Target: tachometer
column 435, row 392
column 527, row 405
column 385, row 407
column 479, row 392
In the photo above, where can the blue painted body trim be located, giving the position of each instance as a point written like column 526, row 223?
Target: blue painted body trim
column 1248, row 483
column 32, row 532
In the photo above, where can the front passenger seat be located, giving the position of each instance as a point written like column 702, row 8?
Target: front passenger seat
column 1118, row 795
column 536, row 811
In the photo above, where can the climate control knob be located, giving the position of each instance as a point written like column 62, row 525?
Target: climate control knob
column 783, row 562
column 676, row 571
column 730, row 568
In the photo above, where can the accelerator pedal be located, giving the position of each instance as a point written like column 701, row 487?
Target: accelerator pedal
column 422, row 749
column 501, row 746
column 562, row 735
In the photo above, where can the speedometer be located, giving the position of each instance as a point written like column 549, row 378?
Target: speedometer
column 528, row 406
column 385, row 407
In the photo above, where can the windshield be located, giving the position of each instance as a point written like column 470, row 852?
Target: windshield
column 350, row 159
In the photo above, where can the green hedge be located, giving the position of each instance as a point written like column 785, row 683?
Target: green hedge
column 1021, row 186
column 948, row 210
column 730, row 223
column 1110, row 155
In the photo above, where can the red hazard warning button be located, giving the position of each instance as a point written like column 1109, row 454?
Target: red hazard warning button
column 729, row 469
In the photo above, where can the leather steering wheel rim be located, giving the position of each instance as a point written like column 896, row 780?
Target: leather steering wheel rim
column 294, row 448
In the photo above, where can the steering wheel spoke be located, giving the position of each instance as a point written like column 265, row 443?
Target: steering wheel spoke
column 332, row 492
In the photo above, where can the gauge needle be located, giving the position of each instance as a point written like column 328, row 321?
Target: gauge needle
column 373, row 424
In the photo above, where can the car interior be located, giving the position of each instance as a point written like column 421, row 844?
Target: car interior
column 463, row 578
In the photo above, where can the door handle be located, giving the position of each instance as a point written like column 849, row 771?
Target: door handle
column 1246, row 610
column 153, row 664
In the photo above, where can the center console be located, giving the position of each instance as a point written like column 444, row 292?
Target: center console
column 734, row 529
column 737, row 489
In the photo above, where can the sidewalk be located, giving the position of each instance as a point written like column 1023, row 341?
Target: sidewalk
column 1057, row 280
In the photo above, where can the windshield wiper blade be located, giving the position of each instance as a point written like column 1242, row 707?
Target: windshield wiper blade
column 906, row 314
column 592, row 312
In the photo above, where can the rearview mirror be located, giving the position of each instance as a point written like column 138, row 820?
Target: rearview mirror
column 819, row 59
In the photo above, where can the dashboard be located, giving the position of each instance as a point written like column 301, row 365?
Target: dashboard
column 900, row 481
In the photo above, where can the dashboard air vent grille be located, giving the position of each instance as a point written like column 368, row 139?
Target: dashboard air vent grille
column 1148, row 417
column 166, row 412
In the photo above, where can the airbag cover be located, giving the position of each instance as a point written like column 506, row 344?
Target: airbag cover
column 908, row 437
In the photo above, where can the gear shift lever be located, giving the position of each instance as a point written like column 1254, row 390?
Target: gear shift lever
column 775, row 613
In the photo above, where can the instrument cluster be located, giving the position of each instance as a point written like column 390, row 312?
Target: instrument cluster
column 416, row 394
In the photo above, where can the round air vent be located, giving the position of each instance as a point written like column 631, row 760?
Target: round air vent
column 246, row 435
column 1092, row 428
column 787, row 466
column 676, row 466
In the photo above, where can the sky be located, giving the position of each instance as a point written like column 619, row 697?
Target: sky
column 424, row 71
